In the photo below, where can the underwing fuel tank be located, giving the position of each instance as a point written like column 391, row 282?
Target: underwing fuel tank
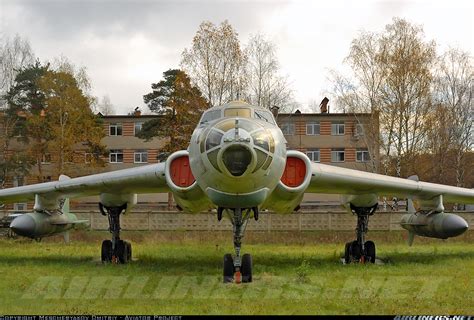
column 434, row 225
column 37, row 225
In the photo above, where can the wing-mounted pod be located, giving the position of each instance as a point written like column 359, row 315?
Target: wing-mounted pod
column 426, row 218
column 180, row 179
column 50, row 216
column 289, row 192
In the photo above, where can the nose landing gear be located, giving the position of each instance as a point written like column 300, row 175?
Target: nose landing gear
column 238, row 268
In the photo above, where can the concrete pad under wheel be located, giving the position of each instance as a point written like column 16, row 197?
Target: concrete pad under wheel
column 378, row 261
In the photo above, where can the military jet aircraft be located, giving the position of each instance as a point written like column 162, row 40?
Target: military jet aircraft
column 237, row 163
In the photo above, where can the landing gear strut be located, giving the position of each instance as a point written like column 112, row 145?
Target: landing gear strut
column 360, row 250
column 115, row 250
column 238, row 268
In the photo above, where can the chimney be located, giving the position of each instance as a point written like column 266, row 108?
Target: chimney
column 323, row 106
column 274, row 110
column 137, row 112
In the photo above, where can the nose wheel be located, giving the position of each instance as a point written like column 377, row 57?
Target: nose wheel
column 238, row 268
column 242, row 274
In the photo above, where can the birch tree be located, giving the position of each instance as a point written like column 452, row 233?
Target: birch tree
column 215, row 62
column 392, row 75
column 453, row 94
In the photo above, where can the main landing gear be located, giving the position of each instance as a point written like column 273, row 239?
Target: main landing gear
column 115, row 250
column 238, row 268
column 360, row 250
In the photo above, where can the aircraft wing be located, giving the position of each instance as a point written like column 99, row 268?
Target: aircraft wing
column 337, row 180
column 145, row 179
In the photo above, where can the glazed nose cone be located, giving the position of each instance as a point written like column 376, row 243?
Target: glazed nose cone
column 237, row 159
column 23, row 225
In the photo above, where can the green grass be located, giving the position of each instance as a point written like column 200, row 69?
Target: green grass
column 180, row 273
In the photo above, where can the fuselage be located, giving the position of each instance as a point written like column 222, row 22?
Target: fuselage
column 237, row 154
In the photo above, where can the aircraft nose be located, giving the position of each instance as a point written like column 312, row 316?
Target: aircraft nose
column 237, row 158
column 23, row 225
column 454, row 225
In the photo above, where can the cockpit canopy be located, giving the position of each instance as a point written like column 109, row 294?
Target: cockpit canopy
column 237, row 109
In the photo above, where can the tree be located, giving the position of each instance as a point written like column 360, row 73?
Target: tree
column 15, row 54
column 23, row 98
column 105, row 106
column 215, row 62
column 180, row 105
column 62, row 64
column 453, row 95
column 266, row 87
column 68, row 118
column 392, row 74
column 57, row 116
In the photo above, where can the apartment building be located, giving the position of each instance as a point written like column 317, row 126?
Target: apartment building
column 341, row 139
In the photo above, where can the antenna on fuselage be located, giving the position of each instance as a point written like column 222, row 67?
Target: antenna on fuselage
column 236, row 129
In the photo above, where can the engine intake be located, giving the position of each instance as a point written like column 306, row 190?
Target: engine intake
column 289, row 192
column 187, row 193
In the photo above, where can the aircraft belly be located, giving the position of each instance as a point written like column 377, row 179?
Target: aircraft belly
column 234, row 200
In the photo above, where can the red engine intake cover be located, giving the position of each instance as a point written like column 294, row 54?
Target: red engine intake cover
column 180, row 172
column 295, row 171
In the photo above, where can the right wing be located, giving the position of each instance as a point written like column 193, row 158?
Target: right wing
column 145, row 179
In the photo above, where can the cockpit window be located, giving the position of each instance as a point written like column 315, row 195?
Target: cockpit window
column 237, row 112
column 261, row 139
column 211, row 115
column 213, row 139
column 264, row 115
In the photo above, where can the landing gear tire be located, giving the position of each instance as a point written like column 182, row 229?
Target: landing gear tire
column 353, row 252
column 115, row 250
column 360, row 250
column 228, row 268
column 246, row 268
column 370, row 251
column 347, row 253
column 129, row 250
column 106, row 252
column 122, row 252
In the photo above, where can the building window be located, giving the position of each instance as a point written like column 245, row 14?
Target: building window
column 69, row 157
column 288, row 129
column 141, row 156
column 138, row 127
column 19, row 206
column 116, row 156
column 362, row 155
column 337, row 128
column 313, row 154
column 337, row 155
column 115, row 129
column 359, row 130
column 312, row 128
column 18, row 181
column 46, row 158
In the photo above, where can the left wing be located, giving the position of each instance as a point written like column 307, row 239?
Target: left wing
column 360, row 184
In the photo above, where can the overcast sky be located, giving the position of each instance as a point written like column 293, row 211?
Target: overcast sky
column 127, row 44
